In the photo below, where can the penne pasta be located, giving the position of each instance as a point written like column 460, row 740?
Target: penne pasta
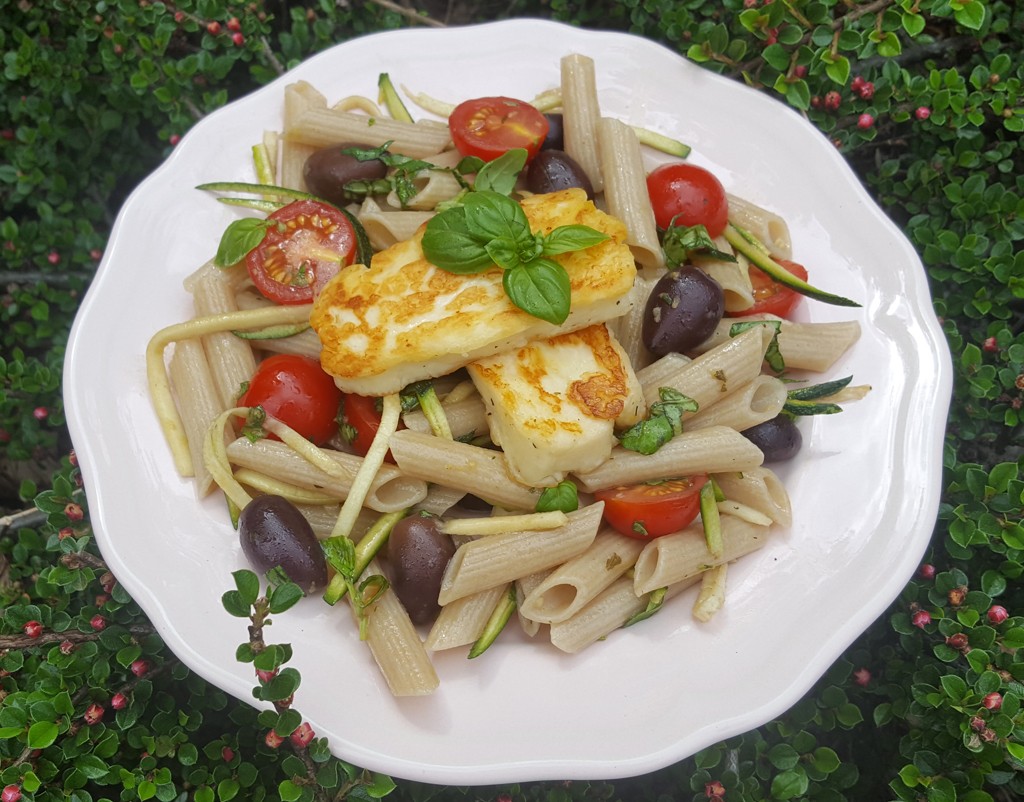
column 462, row 621
column 759, row 401
column 768, row 227
column 759, row 488
column 197, row 401
column 582, row 115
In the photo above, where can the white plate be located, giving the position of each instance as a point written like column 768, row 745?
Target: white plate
column 865, row 489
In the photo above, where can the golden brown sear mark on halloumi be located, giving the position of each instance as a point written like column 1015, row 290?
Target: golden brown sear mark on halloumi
column 403, row 319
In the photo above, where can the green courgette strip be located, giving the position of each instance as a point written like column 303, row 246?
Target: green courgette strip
column 747, row 244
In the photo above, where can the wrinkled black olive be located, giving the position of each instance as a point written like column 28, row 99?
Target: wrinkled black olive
column 418, row 552
column 682, row 311
column 554, row 170
column 274, row 534
column 779, row 438
column 327, row 170
column 555, row 139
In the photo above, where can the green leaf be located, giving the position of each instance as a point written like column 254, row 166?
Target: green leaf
column 248, row 585
column 42, row 734
column 284, row 596
column 565, row 239
column 500, row 174
column 971, row 15
column 540, row 288
column 789, row 784
column 235, row 604
column 563, row 496
column 450, row 243
column 838, row 69
column 663, row 422
column 240, row 237
column 289, row 791
column 491, row 215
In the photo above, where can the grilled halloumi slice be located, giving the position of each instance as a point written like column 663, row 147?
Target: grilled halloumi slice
column 553, row 405
column 403, row 319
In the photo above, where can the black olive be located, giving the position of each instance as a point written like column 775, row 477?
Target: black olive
column 418, row 552
column 779, row 438
column 554, row 170
column 274, row 534
column 555, row 139
column 328, row 170
column 682, row 311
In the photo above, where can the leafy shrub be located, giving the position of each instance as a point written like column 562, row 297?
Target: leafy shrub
column 924, row 99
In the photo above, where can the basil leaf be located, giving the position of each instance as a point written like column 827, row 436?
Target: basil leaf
column 501, row 174
column 490, row 215
column 541, row 288
column 240, row 237
column 663, row 422
column 773, row 354
column 469, row 164
column 682, row 242
column 571, row 238
column 505, row 252
column 340, row 554
column 449, row 243
column 563, row 496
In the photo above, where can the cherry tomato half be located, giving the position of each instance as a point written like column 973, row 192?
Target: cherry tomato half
column 296, row 390
column 690, row 195
column 306, row 244
column 652, row 509
column 771, row 297
column 360, row 417
column 487, row 127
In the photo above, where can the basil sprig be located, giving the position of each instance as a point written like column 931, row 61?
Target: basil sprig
column 681, row 243
column 663, row 422
column 490, row 229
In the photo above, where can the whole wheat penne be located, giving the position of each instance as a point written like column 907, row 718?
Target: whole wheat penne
column 390, row 490
column 627, row 329
column 524, row 585
column 759, row 488
column 462, row 621
column 320, row 128
column 608, row 611
column 396, row 646
column 581, row 114
column 718, row 372
column 385, row 227
column 230, row 357
column 758, row 401
column 499, row 559
column 625, row 192
column 711, row 450
column 733, row 277
column 767, row 226
column 465, row 417
column 804, row 346
column 674, row 558
column 574, row 583
column 480, row 471
column 197, row 401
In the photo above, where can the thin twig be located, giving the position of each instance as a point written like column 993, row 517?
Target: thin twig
column 74, row 636
column 21, row 520
column 410, row 13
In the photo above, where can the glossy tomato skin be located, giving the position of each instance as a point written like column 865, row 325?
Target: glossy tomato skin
column 688, row 194
column 361, row 418
column 488, row 127
column 771, row 297
column 654, row 509
column 296, row 390
column 307, row 242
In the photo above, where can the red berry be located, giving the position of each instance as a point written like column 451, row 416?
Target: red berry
column 40, row 413
column 749, row 3
column 927, row 571
column 832, row 100
column 227, row 754
column 93, row 714
column 53, row 258
column 990, row 345
column 33, row 629
column 856, row 83
column 95, row 254
column 958, row 641
column 238, row 39
column 273, row 740
column 816, row 102
column 179, row 16
column 977, row 723
column 867, row 91
column 992, row 701
column 772, row 36
column 118, row 701
column 997, row 614
column 713, row 789
column 862, row 676
column 140, row 668
column 302, row 736
column 98, row 622
column 66, row 647
column 174, row 139
column 7, row 133
column 74, row 511
column 921, row 619
column 865, row 121
column 922, row 112
column 800, row 70
column 213, row 27
column 234, row 24
column 11, row 793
